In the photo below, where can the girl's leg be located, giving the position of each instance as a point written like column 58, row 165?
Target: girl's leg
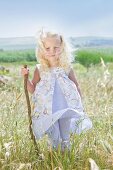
column 54, row 135
column 64, row 127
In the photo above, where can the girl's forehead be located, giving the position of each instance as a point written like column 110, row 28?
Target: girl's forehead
column 48, row 41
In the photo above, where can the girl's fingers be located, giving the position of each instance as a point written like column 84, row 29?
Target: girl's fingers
column 24, row 71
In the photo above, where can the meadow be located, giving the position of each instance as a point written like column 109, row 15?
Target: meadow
column 93, row 149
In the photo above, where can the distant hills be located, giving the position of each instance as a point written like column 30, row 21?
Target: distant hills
column 90, row 41
column 21, row 43
column 17, row 43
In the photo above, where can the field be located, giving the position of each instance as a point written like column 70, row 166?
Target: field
column 93, row 147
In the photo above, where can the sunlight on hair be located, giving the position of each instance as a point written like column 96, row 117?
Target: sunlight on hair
column 65, row 56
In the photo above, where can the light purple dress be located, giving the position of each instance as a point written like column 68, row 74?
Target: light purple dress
column 56, row 97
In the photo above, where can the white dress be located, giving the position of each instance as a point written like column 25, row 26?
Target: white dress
column 56, row 97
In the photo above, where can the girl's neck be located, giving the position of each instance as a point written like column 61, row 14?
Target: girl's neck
column 54, row 64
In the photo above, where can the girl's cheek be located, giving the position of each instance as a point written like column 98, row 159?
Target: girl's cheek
column 46, row 53
column 58, row 51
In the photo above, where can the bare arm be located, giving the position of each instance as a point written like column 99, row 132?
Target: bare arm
column 73, row 78
column 32, row 84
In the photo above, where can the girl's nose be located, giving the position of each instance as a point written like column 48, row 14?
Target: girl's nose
column 52, row 52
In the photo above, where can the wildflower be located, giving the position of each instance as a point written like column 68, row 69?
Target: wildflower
column 7, row 155
column 93, row 164
column 8, row 146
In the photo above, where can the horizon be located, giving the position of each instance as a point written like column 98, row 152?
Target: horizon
column 31, row 36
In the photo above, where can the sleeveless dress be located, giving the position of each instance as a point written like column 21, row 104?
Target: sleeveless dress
column 56, row 97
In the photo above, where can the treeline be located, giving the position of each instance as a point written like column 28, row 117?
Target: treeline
column 86, row 57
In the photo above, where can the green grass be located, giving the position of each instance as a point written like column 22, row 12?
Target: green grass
column 97, row 143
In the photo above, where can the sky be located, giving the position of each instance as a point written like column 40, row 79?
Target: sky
column 20, row 18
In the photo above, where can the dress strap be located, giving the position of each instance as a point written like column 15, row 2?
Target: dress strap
column 38, row 66
column 40, row 69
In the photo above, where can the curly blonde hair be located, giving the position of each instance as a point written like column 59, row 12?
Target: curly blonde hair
column 63, row 61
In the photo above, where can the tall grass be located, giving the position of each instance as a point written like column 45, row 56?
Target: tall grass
column 16, row 148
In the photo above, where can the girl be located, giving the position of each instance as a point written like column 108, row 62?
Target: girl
column 58, row 109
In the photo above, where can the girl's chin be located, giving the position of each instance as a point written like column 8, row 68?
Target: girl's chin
column 53, row 57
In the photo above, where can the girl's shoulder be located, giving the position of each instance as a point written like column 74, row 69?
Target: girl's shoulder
column 40, row 69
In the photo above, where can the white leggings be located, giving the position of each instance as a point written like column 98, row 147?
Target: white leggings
column 59, row 133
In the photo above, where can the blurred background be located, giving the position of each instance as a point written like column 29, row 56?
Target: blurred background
column 87, row 25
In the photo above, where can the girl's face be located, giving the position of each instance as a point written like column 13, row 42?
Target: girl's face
column 52, row 47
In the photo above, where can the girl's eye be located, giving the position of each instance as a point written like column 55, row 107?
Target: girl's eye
column 56, row 47
column 47, row 48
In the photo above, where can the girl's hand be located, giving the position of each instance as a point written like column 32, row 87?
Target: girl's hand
column 24, row 71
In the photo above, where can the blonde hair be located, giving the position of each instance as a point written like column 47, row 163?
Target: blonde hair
column 63, row 60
